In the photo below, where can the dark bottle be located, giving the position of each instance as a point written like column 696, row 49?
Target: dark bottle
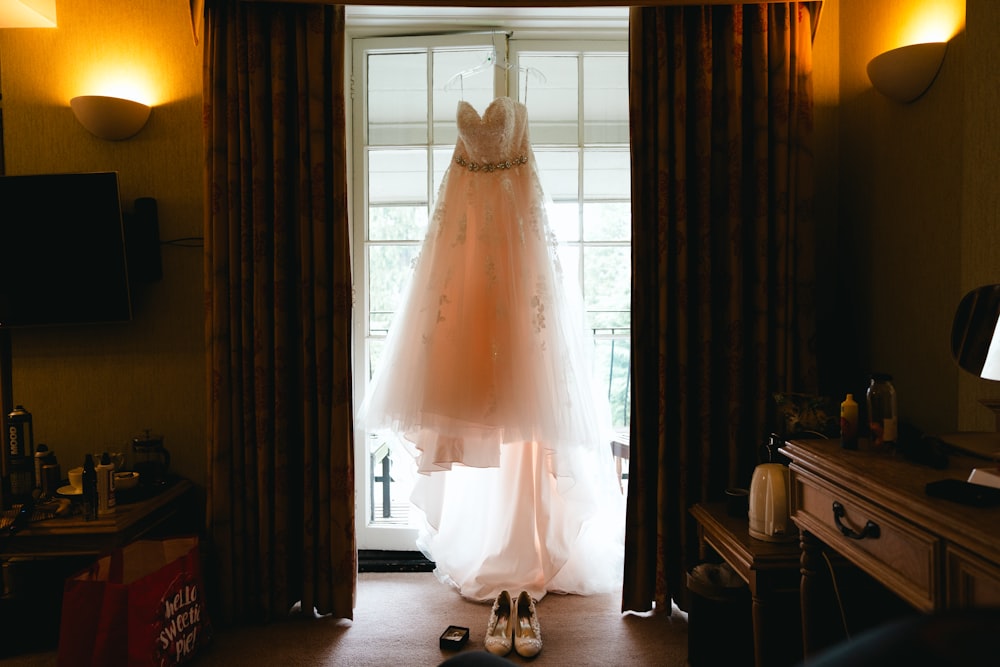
column 883, row 417
column 89, row 488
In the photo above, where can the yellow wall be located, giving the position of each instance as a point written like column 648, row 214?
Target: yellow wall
column 912, row 202
column 96, row 387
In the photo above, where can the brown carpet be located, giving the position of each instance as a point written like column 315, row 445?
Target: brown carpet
column 400, row 616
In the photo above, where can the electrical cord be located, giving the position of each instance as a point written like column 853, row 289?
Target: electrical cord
column 836, row 592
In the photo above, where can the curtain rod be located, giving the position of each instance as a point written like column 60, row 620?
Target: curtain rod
column 531, row 3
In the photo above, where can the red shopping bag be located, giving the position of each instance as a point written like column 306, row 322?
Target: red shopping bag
column 141, row 605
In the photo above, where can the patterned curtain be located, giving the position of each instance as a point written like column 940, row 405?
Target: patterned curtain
column 723, row 311
column 280, row 505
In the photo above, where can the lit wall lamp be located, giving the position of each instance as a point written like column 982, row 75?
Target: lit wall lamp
column 27, row 13
column 110, row 118
column 904, row 74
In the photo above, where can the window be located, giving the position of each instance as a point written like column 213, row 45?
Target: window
column 405, row 98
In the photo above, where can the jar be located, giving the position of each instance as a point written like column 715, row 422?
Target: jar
column 882, row 415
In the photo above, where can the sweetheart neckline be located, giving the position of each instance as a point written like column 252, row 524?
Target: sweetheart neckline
column 489, row 106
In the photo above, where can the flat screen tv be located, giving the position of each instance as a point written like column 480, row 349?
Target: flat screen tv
column 62, row 250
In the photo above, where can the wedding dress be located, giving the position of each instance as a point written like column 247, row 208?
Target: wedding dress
column 485, row 374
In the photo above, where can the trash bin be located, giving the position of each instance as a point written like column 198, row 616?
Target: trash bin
column 720, row 625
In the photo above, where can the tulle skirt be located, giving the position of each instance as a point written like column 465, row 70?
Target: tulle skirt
column 486, row 374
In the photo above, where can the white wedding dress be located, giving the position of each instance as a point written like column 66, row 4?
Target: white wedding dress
column 485, row 374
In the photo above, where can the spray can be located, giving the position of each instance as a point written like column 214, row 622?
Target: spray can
column 105, row 486
column 20, row 452
column 43, row 457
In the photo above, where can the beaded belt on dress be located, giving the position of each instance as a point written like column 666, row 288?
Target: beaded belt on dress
column 494, row 166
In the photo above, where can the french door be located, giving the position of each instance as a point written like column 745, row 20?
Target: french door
column 405, row 93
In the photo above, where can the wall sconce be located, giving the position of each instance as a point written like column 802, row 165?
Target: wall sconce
column 904, row 74
column 110, row 118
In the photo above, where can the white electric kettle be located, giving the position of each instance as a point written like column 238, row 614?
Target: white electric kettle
column 769, row 504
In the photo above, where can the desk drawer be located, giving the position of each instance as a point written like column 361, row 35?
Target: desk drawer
column 972, row 581
column 890, row 549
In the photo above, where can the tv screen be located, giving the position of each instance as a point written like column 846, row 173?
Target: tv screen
column 62, row 250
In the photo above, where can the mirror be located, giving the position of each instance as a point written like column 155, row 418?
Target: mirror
column 975, row 337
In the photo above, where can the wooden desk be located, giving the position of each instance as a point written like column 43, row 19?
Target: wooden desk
column 871, row 508
column 770, row 569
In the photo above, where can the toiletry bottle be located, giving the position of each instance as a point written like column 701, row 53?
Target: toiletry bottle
column 882, row 416
column 105, row 486
column 849, row 423
column 19, row 455
column 89, row 483
column 41, row 459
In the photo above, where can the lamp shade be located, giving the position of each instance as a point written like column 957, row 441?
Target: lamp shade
column 904, row 74
column 110, row 118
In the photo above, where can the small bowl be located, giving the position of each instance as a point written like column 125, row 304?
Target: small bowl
column 126, row 480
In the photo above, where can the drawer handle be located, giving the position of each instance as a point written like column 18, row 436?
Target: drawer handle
column 871, row 528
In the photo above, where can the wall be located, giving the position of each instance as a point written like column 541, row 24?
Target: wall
column 94, row 388
column 826, row 96
column 980, row 244
column 905, row 203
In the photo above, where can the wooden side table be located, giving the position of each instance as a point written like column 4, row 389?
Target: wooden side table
column 73, row 536
column 36, row 560
column 770, row 569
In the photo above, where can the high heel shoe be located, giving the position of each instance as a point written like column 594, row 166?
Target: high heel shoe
column 527, row 630
column 499, row 628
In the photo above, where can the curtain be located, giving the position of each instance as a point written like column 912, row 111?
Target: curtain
column 723, row 253
column 280, row 482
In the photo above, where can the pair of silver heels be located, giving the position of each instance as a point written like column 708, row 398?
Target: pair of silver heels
column 514, row 626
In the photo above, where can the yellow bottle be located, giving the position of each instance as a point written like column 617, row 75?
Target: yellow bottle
column 849, row 423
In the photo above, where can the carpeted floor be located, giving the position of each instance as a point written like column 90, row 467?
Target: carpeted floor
column 400, row 616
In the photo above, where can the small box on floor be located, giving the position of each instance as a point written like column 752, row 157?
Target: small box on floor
column 454, row 638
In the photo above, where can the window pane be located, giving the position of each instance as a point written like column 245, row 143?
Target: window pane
column 606, row 174
column 611, row 371
column 552, row 104
column 569, row 261
column 475, row 87
column 397, row 98
column 607, row 221
column 559, row 172
column 564, row 220
column 389, row 223
column 605, row 99
column 389, row 267
column 397, row 176
column 442, row 160
column 375, row 347
column 608, row 285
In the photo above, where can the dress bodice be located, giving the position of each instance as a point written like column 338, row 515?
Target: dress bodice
column 500, row 134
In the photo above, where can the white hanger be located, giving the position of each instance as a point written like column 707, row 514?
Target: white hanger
column 489, row 63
